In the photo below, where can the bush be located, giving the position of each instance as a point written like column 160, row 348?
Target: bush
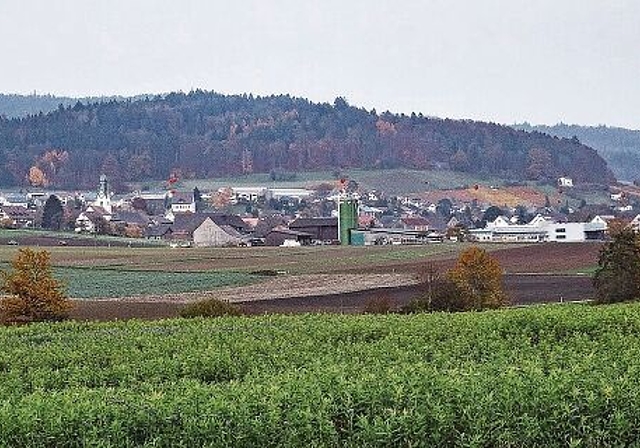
column 380, row 304
column 441, row 295
column 34, row 295
column 211, row 308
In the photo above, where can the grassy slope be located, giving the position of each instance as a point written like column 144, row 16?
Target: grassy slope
column 392, row 181
column 542, row 376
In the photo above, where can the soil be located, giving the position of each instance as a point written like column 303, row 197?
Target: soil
column 533, row 274
column 522, row 289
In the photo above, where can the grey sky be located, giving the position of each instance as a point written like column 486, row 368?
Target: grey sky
column 542, row 61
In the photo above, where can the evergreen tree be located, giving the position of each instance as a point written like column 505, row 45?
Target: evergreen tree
column 52, row 214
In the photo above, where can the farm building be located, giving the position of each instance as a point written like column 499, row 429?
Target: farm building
column 279, row 236
column 378, row 236
column 208, row 233
column 321, row 229
column 207, row 229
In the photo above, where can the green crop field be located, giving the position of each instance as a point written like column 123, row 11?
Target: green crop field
column 109, row 283
column 541, row 376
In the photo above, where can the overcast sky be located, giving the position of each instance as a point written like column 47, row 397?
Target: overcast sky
column 542, row 61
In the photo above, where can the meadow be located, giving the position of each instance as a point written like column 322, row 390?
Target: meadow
column 563, row 375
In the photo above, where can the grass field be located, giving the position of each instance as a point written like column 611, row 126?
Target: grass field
column 73, row 239
column 391, row 182
column 551, row 376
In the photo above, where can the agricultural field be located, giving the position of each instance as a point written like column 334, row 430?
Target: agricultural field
column 119, row 272
column 562, row 375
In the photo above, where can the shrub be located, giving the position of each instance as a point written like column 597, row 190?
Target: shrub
column 380, row 304
column 33, row 293
column 211, row 308
column 442, row 295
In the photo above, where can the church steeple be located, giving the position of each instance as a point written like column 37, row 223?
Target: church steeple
column 104, row 195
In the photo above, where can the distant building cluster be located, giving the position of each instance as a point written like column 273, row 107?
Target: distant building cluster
column 340, row 213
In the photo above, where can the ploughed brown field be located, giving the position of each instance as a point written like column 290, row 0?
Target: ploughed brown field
column 330, row 279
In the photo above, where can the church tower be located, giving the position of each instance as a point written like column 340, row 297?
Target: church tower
column 104, row 195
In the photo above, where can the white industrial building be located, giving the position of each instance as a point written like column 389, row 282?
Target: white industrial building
column 538, row 230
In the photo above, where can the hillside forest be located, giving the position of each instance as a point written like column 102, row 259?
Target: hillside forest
column 205, row 134
column 618, row 146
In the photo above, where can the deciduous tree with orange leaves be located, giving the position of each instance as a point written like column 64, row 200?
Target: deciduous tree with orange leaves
column 33, row 294
column 478, row 277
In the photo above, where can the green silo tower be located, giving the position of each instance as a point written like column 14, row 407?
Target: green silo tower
column 347, row 219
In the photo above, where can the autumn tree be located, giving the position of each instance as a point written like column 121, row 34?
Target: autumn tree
column 33, row 294
column 478, row 277
column 37, row 178
column 617, row 278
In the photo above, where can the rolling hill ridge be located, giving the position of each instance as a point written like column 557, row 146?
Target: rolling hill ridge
column 206, row 134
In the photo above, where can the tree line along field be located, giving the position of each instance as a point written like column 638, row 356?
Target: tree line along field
column 563, row 375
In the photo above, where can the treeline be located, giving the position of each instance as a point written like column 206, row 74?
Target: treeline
column 620, row 147
column 205, row 134
column 18, row 106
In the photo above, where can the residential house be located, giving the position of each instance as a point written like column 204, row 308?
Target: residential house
column 130, row 223
column 603, row 220
column 17, row 216
column 565, row 182
column 92, row 219
column 182, row 203
column 160, row 231
column 414, row 223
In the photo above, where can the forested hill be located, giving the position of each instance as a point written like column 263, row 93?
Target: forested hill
column 18, row 106
column 618, row 146
column 204, row 134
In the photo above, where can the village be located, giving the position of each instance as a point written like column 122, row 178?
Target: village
column 327, row 214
